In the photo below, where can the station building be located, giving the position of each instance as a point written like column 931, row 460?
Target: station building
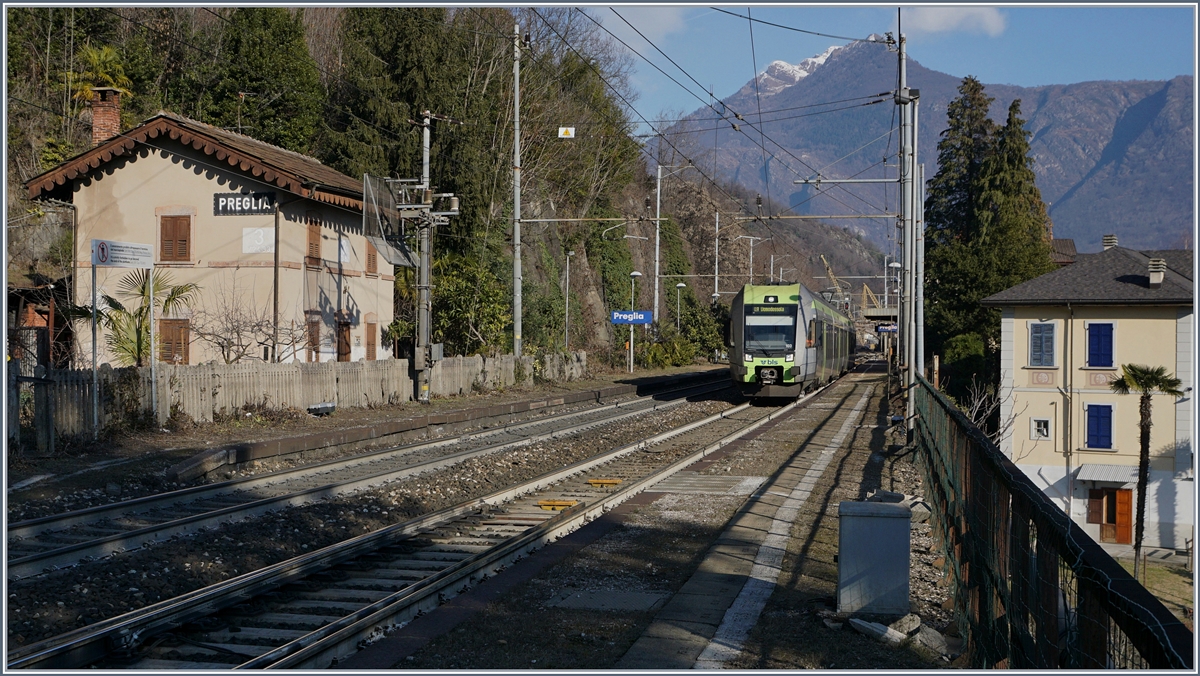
column 209, row 201
column 1064, row 337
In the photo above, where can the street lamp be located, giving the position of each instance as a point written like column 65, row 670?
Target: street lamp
column 678, row 289
column 632, row 283
column 567, row 304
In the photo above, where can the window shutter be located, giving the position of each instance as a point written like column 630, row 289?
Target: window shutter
column 314, row 241
column 1035, row 344
column 183, row 339
column 372, row 261
column 166, row 342
column 1100, row 345
column 1099, row 426
column 175, row 236
column 1095, row 506
column 372, row 336
column 182, row 235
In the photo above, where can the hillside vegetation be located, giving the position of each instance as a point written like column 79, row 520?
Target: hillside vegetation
column 345, row 84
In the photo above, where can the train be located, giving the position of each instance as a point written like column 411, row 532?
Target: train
column 786, row 340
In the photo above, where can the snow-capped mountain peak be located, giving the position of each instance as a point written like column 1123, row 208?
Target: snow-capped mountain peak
column 779, row 75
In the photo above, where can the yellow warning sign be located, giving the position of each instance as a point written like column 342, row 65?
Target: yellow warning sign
column 566, row 132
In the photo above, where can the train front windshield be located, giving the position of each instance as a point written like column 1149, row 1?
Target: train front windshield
column 770, row 330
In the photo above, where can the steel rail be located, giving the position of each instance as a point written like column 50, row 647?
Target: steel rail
column 31, row 527
column 88, row 644
column 39, row 563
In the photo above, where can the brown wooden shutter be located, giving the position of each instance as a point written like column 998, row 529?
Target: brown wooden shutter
column 174, row 339
column 1095, row 506
column 175, row 235
column 372, row 259
column 314, row 241
column 372, row 333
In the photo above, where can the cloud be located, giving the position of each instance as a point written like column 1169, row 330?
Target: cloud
column 987, row 20
column 655, row 23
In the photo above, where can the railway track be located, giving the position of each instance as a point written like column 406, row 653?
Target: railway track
column 308, row 611
column 41, row 545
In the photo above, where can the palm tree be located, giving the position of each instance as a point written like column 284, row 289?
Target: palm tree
column 102, row 67
column 129, row 327
column 1146, row 381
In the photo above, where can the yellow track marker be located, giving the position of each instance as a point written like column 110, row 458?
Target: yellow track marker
column 604, row 482
column 556, row 505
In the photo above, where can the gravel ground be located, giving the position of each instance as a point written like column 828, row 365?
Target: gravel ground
column 792, row 633
column 654, row 550
column 146, row 453
column 657, row 549
column 39, row 608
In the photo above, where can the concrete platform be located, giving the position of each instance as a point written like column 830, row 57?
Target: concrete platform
column 704, row 624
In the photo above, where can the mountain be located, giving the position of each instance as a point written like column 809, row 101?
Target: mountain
column 1110, row 157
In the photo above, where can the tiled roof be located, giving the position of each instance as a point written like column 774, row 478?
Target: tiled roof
column 1116, row 276
column 1062, row 251
column 289, row 170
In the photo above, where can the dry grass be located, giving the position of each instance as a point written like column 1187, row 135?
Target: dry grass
column 1171, row 584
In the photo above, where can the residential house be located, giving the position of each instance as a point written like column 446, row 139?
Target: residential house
column 209, row 201
column 1064, row 337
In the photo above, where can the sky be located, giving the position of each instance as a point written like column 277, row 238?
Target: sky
column 1019, row 45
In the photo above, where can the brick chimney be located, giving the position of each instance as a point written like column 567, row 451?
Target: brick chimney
column 106, row 114
column 1109, row 241
column 1158, row 270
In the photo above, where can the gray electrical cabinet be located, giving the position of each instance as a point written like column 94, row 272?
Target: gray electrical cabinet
column 873, row 558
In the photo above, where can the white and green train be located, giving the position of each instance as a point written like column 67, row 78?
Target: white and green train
column 786, row 340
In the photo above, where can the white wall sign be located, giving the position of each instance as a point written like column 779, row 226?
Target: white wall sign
column 107, row 253
column 258, row 240
column 566, row 132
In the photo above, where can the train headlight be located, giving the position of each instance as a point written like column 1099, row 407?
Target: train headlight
column 791, row 357
column 747, row 357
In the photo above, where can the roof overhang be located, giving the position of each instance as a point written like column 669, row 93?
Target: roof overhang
column 163, row 127
column 1115, row 474
column 1170, row 302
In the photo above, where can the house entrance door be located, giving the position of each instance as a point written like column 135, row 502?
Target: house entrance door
column 1112, row 508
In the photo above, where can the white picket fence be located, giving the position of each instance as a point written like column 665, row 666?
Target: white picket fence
column 206, row 391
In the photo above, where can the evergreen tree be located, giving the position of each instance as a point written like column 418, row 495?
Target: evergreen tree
column 988, row 231
column 270, row 87
column 965, row 144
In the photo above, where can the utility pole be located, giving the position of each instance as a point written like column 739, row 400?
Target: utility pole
column 919, row 305
column 424, row 301
column 567, row 305
column 717, row 257
column 907, row 170
column 658, row 223
column 516, row 227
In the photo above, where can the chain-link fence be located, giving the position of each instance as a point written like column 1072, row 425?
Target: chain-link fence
column 1033, row 590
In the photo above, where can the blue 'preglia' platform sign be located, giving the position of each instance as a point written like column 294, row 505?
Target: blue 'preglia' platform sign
column 632, row 317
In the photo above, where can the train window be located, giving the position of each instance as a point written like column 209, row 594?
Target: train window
column 813, row 340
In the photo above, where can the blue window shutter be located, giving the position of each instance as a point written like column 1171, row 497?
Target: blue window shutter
column 1047, row 345
column 1041, row 345
column 1100, row 345
column 1099, row 426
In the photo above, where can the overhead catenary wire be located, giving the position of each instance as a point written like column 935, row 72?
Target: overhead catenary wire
column 710, row 105
column 630, row 106
column 791, row 28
